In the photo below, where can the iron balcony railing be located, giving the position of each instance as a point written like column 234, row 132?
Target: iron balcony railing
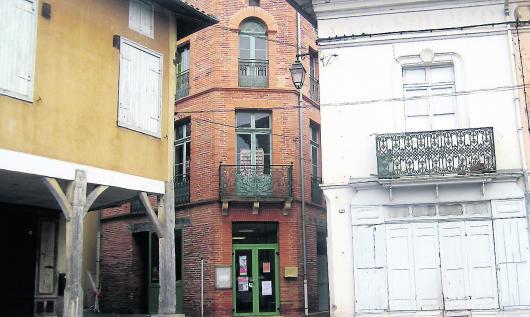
column 182, row 189
column 253, row 73
column 314, row 89
column 316, row 191
column 262, row 182
column 183, row 84
column 459, row 151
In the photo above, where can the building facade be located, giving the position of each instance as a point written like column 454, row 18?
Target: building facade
column 240, row 250
column 424, row 164
column 77, row 133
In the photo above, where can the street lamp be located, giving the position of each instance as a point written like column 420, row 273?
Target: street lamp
column 298, row 76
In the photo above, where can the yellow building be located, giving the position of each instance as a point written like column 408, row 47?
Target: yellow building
column 87, row 90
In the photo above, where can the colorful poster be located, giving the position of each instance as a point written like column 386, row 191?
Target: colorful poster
column 266, row 288
column 243, row 265
column 266, row 267
column 242, row 284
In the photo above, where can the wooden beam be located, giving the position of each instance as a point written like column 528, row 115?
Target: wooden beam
column 59, row 196
column 151, row 213
column 93, row 196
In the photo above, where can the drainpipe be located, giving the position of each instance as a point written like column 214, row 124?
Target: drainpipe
column 517, row 111
column 202, row 287
column 302, row 183
column 98, row 259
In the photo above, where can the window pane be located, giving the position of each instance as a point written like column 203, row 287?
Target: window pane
column 420, row 123
column 243, row 149
column 444, row 122
column 314, row 134
column 254, row 3
column 188, row 151
column 262, row 120
column 188, row 129
column 314, row 160
column 179, row 132
column 263, row 149
column 416, row 107
column 442, row 74
column 414, row 75
column 445, row 104
column 243, row 119
column 179, row 153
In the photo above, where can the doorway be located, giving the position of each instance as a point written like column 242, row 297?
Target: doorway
column 256, row 288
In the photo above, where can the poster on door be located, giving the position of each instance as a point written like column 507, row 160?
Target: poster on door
column 243, row 265
column 242, row 284
column 266, row 267
column 266, row 288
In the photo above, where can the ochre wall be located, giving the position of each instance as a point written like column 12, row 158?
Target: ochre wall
column 73, row 116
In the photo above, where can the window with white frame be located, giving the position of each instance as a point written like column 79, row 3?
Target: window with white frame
column 429, row 98
column 17, row 47
column 142, row 17
column 140, row 89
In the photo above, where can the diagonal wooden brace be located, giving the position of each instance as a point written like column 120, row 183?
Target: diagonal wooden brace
column 151, row 213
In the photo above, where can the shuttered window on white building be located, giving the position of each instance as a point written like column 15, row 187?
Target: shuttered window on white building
column 17, row 47
column 140, row 89
column 142, row 17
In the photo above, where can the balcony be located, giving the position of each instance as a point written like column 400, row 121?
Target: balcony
column 253, row 73
column 182, row 189
column 313, row 89
column 183, row 85
column 444, row 152
column 256, row 183
column 316, row 191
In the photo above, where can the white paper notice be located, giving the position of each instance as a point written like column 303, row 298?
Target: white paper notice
column 266, row 288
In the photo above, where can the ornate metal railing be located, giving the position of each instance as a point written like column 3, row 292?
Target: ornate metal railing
column 183, row 84
column 459, row 151
column 182, row 189
column 314, row 89
column 253, row 73
column 255, row 181
column 316, row 191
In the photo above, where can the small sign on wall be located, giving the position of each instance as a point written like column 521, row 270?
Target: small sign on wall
column 223, row 277
column 291, row 271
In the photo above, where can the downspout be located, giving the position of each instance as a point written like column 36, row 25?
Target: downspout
column 302, row 183
column 98, row 260
column 517, row 112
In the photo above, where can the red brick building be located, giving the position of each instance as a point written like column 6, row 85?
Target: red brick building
column 237, row 176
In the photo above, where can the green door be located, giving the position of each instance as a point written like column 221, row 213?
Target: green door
column 256, row 288
column 153, row 269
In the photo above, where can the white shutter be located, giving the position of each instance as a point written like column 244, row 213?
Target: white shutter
column 512, row 254
column 141, row 17
column 17, row 47
column 427, row 266
column 481, row 265
column 369, row 268
column 140, row 98
column 453, row 264
column 400, row 267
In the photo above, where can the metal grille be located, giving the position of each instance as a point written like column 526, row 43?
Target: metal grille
column 314, row 89
column 253, row 73
column 459, row 151
column 256, row 181
column 183, row 85
column 182, row 189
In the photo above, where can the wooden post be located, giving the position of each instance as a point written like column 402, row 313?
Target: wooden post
column 166, row 213
column 74, row 205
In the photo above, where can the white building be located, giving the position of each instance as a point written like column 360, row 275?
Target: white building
column 429, row 223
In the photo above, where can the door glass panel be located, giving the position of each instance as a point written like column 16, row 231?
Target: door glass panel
column 263, row 149
column 244, row 283
column 254, row 232
column 154, row 259
column 243, row 149
column 267, row 281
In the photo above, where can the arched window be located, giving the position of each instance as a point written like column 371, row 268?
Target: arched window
column 253, row 60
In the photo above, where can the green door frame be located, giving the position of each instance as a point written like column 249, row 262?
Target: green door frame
column 153, row 288
column 255, row 269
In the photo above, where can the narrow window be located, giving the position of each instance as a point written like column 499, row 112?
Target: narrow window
column 141, row 17
column 313, row 80
column 183, row 71
column 429, row 98
column 253, row 59
column 316, row 192
column 182, row 162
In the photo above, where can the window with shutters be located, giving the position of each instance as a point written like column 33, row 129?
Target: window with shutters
column 142, row 17
column 140, row 89
column 429, row 98
column 17, row 48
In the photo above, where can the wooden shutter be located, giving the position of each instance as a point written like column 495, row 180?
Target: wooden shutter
column 369, row 268
column 140, row 98
column 17, row 47
column 141, row 17
column 511, row 249
column 400, row 267
column 427, row 266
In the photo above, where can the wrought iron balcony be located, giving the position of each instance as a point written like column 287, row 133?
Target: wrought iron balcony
column 183, row 84
column 255, row 182
column 253, row 73
column 459, row 151
column 314, row 89
column 316, row 191
column 182, row 189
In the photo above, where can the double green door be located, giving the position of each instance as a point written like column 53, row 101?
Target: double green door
column 153, row 275
column 256, row 284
